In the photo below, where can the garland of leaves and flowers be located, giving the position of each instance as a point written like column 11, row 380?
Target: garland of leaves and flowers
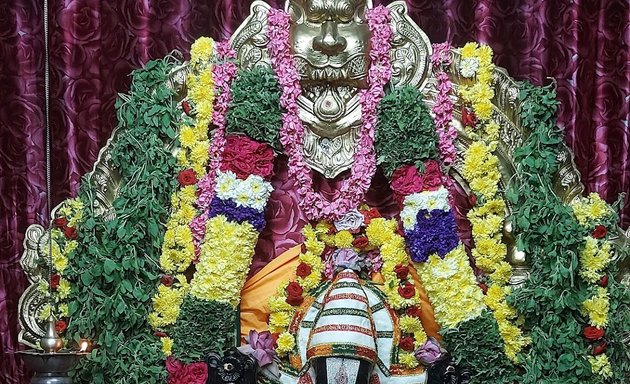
column 569, row 254
column 178, row 248
column 593, row 214
column 236, row 192
column 431, row 236
column 67, row 219
column 114, row 270
column 292, row 132
column 361, row 240
column 481, row 171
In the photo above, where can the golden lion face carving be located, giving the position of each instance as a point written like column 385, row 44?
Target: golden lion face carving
column 331, row 41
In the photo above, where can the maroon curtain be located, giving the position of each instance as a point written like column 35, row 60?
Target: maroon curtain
column 95, row 44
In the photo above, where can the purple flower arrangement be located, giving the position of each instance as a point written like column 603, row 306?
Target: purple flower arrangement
column 435, row 232
column 239, row 214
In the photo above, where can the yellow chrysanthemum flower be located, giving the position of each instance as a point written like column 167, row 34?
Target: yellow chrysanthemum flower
column 343, row 239
column 408, row 360
column 597, row 307
column 64, row 288
column 286, row 343
column 409, row 324
column 601, row 365
column 167, row 346
column 201, row 50
column 187, row 137
column 469, row 50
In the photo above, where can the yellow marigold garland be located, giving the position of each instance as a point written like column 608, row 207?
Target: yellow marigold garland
column 595, row 258
column 482, row 172
column 226, row 254
column 63, row 233
column 178, row 251
column 452, row 288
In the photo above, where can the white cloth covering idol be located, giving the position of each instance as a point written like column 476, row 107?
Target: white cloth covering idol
column 351, row 327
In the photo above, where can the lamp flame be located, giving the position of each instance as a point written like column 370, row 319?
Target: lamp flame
column 84, row 346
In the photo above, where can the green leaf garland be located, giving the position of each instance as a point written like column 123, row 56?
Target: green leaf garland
column 255, row 108
column 406, row 131
column 203, row 327
column 548, row 232
column 114, row 270
column 478, row 347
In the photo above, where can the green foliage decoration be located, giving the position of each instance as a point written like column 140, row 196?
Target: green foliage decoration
column 203, row 327
column 406, row 131
column 115, row 269
column 548, row 232
column 255, row 107
column 478, row 347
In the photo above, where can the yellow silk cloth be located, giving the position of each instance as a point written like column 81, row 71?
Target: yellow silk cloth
column 264, row 284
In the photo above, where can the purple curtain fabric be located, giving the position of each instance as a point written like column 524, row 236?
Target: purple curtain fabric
column 95, row 44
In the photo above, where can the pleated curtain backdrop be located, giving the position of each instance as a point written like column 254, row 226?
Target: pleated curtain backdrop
column 96, row 44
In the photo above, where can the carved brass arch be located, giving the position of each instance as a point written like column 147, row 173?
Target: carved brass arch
column 411, row 61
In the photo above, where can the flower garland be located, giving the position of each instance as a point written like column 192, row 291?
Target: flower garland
column 595, row 258
column 178, row 248
column 291, row 136
column 340, row 244
column 443, row 109
column 236, row 217
column 452, row 287
column 63, row 236
column 481, row 171
column 223, row 73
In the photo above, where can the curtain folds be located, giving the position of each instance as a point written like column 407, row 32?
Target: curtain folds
column 95, row 44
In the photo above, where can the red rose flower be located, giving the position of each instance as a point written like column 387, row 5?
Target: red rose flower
column 599, row 232
column 294, row 289
column 60, row 326
column 294, row 300
column 303, row 270
column 360, row 242
column 196, row 373
column 407, row 290
column 414, row 311
column 593, row 333
column 187, row 177
column 406, row 180
column 402, row 271
column 159, row 334
column 186, row 107
column 370, row 214
column 599, row 348
column 407, row 343
column 70, row 233
column 54, row 281
column 60, row 222
column 472, row 199
column 484, row 287
column 245, row 157
column 469, row 119
column 432, row 177
column 167, row 280
column 603, row 282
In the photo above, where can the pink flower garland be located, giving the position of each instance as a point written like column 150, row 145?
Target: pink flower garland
column 443, row 108
column 353, row 190
column 223, row 74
